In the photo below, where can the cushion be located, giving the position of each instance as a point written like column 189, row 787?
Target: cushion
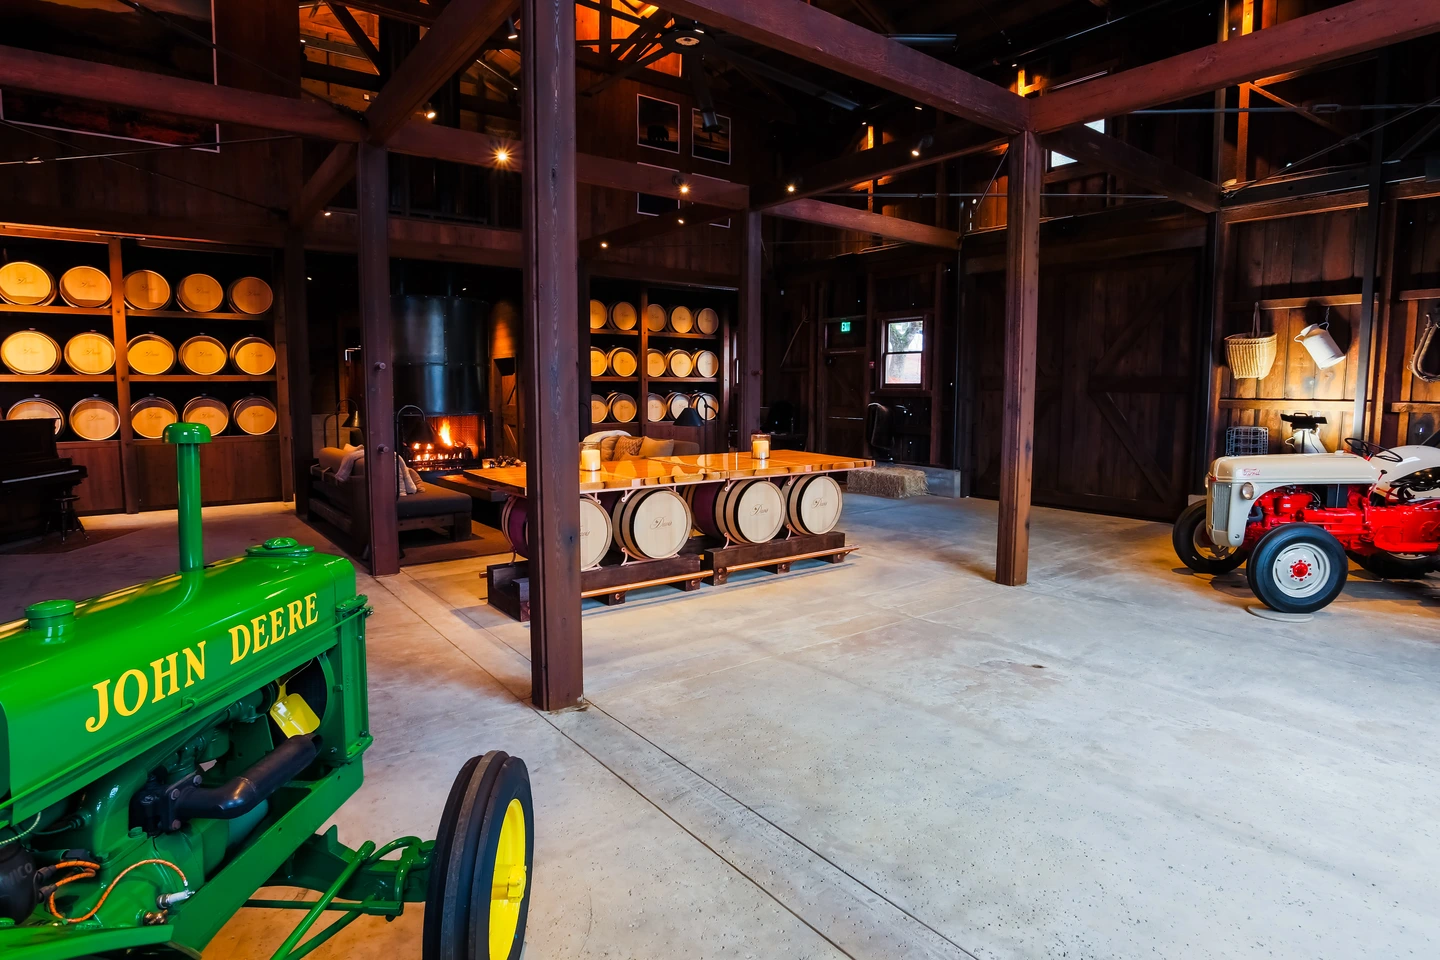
column 626, row 448
column 607, row 447
column 685, row 448
column 651, row 447
column 330, row 458
column 432, row 501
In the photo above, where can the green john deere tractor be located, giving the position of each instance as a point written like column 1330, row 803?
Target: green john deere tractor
column 168, row 749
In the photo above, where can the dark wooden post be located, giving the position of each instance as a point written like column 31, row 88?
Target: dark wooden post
column 751, row 337
column 294, row 365
column 550, row 259
column 372, row 188
column 1022, row 300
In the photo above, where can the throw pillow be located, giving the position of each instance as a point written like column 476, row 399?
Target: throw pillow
column 626, row 448
column 656, row 448
column 607, row 448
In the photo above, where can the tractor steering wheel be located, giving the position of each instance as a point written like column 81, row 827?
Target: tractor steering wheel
column 1369, row 450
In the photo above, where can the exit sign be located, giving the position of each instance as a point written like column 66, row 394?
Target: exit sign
column 844, row 326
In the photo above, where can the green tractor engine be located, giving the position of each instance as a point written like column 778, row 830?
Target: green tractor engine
column 168, row 749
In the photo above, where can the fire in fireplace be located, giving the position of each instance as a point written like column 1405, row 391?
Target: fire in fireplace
column 458, row 441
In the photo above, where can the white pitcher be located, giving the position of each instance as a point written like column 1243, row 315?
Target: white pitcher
column 1321, row 345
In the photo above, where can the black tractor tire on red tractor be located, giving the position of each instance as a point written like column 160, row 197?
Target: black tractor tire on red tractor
column 1297, row 568
column 1388, row 566
column 1187, row 537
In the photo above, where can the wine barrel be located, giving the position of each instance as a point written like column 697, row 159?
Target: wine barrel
column 655, row 409
column 85, row 287
column 682, row 320
column 707, row 321
column 812, row 504
column 595, row 529
column 37, row 408
column 92, row 353
column 30, row 352
column 94, row 419
column 652, row 524
column 146, row 290
column 199, row 293
column 680, row 362
column 26, row 284
column 655, row 318
column 706, row 404
column 203, row 355
column 655, row 364
column 623, row 316
column 254, row 415
column 599, row 362
column 622, row 362
column 707, row 364
column 747, row 511
column 150, row 354
column 676, row 404
column 252, row 355
column 251, row 295
column 149, row 416
column 622, row 407
column 599, row 408
column 209, row 411
column 515, row 524
column 599, row 316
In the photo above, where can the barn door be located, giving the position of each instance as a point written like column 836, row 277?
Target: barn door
column 843, row 387
column 505, row 401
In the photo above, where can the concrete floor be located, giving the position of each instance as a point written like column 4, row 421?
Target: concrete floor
column 897, row 758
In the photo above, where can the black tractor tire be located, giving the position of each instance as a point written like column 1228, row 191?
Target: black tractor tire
column 1297, row 568
column 1188, row 535
column 507, row 853
column 1388, row 566
column 462, row 863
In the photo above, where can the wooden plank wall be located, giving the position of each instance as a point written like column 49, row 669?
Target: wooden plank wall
column 1411, row 406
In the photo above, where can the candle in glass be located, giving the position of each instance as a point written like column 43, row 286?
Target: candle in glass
column 590, row 457
column 760, row 446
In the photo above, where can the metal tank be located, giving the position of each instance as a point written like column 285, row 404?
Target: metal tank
column 440, row 354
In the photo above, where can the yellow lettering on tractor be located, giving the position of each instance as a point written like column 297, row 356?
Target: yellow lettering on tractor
column 238, row 652
column 161, row 672
column 311, row 615
column 142, row 686
column 258, row 626
column 103, row 713
column 194, row 666
column 277, row 624
column 296, row 609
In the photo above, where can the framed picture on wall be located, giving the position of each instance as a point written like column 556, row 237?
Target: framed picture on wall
column 653, row 205
column 713, row 145
column 657, row 124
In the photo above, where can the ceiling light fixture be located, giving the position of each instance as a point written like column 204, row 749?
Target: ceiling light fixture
column 502, row 155
column 680, row 182
column 510, row 32
column 429, row 112
column 604, row 244
column 681, row 221
column 327, row 213
column 790, row 188
column 924, row 143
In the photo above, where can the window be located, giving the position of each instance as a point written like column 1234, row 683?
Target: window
column 904, row 352
column 1060, row 160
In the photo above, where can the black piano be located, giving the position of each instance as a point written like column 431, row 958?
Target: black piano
column 32, row 477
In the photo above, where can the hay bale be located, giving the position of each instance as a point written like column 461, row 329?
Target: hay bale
column 893, row 483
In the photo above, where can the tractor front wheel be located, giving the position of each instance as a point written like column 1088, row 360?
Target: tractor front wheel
column 1297, row 568
column 1195, row 548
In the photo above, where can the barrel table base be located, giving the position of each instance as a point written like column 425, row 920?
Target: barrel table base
column 776, row 556
column 508, row 584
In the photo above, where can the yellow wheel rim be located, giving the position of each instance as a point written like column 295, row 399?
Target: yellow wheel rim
column 507, row 890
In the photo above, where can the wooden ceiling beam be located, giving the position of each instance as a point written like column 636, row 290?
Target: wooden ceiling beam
column 352, row 28
column 334, row 172
column 652, row 228
column 1342, row 31
column 956, row 139
column 1137, row 166
column 811, row 34
column 863, row 221
column 447, row 47
column 406, row 11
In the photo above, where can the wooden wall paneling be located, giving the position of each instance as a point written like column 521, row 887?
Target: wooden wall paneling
column 279, row 339
column 549, row 310
column 292, row 366
column 104, row 488
column 128, row 464
column 377, row 342
column 239, row 469
column 751, row 339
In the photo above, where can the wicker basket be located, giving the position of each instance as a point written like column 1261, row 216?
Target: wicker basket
column 1251, row 355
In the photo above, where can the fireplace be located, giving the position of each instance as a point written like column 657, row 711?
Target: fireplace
column 452, row 441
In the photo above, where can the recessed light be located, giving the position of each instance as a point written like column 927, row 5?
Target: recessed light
column 790, row 188
column 604, row 244
column 681, row 221
column 327, row 213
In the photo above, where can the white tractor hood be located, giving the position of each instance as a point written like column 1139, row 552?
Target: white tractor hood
column 1299, row 468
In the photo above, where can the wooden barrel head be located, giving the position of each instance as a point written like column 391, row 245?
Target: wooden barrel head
column 655, row 364
column 680, row 362
column 599, row 316
column 200, row 293
column 254, row 415
column 599, row 408
column 652, row 524
column 146, row 290
column 623, row 362
column 813, row 504
column 37, row 408
column 707, row 321
column 149, row 416
column 27, row 284
column 701, row 498
column 676, row 404
column 624, row 316
column 251, row 295
column 654, row 318
column 707, row 364
column 622, row 408
column 150, row 354
column 706, row 405
column 655, row 408
column 514, row 523
column 682, row 320
column 253, row 355
column 94, row 419
column 203, row 355
column 599, row 362
column 85, row 287
column 209, row 411
column 751, row 511
column 595, row 533
column 90, row 353
column 30, row 353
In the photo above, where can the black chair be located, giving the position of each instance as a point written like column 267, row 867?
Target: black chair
column 879, row 431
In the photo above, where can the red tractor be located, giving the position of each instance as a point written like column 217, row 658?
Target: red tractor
column 1296, row 520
